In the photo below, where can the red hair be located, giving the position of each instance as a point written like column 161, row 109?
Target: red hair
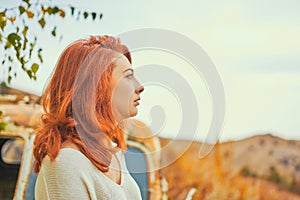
column 77, row 103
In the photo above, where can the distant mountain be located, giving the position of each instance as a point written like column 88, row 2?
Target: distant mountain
column 259, row 167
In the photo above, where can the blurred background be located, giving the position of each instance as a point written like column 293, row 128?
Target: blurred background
column 255, row 47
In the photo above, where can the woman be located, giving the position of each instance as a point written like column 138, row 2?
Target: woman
column 79, row 147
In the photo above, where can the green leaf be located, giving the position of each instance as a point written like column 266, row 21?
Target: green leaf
column 55, row 10
column 0, row 37
column 34, row 67
column 9, row 79
column 50, row 10
column 72, row 10
column 24, row 32
column 1, row 113
column 101, row 15
column 54, row 32
column 42, row 22
column 7, row 45
column 25, row 43
column 9, row 69
column 29, row 73
column 17, row 48
column 40, row 55
column 13, row 38
column 2, row 23
column 22, row 60
column 31, row 49
column 21, row 9
column 94, row 15
column 3, row 126
column 85, row 15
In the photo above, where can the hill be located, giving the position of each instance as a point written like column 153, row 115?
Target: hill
column 259, row 167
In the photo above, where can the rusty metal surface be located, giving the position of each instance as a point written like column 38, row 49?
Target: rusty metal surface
column 26, row 115
column 13, row 95
column 13, row 131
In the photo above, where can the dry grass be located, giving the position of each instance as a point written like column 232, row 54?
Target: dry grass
column 218, row 176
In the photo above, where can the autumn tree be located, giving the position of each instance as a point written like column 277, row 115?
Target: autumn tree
column 19, row 42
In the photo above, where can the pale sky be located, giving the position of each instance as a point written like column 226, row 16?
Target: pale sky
column 254, row 44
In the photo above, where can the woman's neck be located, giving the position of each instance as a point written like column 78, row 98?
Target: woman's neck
column 68, row 144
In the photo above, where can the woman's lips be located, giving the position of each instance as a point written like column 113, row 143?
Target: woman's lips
column 136, row 102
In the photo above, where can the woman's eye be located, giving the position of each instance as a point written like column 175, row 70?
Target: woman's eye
column 129, row 75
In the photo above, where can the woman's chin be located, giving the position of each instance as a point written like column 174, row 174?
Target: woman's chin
column 131, row 113
column 134, row 112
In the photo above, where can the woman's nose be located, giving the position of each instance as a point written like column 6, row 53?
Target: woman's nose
column 139, row 89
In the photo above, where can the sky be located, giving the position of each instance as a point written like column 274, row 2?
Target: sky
column 254, row 45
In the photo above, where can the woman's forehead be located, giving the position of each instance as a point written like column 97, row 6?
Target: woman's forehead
column 121, row 64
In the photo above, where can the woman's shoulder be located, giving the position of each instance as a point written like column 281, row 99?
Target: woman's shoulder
column 69, row 176
column 68, row 160
column 70, row 153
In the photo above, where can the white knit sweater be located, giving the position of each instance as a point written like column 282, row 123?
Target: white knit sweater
column 72, row 176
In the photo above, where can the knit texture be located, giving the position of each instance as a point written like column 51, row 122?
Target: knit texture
column 72, row 176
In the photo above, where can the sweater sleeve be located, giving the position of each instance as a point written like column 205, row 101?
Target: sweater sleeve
column 66, row 178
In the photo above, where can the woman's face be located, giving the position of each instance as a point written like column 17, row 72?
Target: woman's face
column 126, row 89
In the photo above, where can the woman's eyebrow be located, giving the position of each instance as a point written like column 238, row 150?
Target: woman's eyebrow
column 128, row 70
